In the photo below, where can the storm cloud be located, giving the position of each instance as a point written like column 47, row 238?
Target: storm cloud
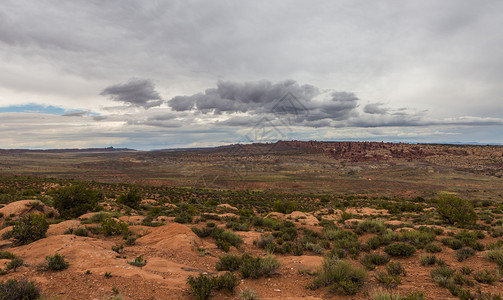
column 136, row 92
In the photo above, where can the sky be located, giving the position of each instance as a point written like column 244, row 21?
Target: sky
column 171, row 74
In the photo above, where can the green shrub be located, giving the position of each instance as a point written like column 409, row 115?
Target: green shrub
column 432, row 248
column 340, row 276
column 55, row 262
column 485, row 276
column 13, row 289
column 75, row 200
column 202, row 233
column 428, row 260
column 14, row 264
column 81, row 232
column 388, row 280
column 370, row 261
column 131, row 199
column 456, row 211
column 227, row 281
column 442, row 275
column 454, row 244
column 256, row 267
column 466, row 270
column 111, row 226
column 201, row 286
column 269, row 265
column 285, row 207
column 371, row 226
column 226, row 236
column 6, row 255
column 418, row 238
column 228, row 263
column 464, row 253
column 495, row 256
column 348, row 241
column 382, row 240
column 139, row 261
column 250, row 267
column 395, row 268
column 29, row 228
column 400, row 250
column 265, row 240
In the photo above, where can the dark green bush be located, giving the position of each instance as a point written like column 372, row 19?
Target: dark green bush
column 131, row 199
column 340, row 276
column 433, row 248
column 428, row 260
column 201, row 286
column 75, row 200
column 55, row 262
column 229, row 263
column 13, row 289
column 454, row 244
column 382, row 240
column 400, row 250
column 371, row 260
column 81, row 232
column 227, row 281
column 6, row 255
column 456, row 211
column 29, row 228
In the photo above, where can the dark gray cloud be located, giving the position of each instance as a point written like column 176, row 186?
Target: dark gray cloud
column 375, row 108
column 136, row 92
column 231, row 97
column 306, row 102
column 76, row 114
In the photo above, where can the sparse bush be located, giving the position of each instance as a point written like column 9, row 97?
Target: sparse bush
column 441, row 275
column 486, row 276
column 340, row 276
column 14, row 264
column 456, row 211
column 13, row 289
column 466, row 270
column 269, row 265
column 388, row 280
column 139, row 261
column 495, row 256
column 202, row 233
column 29, row 228
column 285, row 207
column 75, row 200
column 248, row 294
column 400, row 250
column 131, row 199
column 395, row 268
column 386, row 295
column 464, row 253
column 428, row 260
